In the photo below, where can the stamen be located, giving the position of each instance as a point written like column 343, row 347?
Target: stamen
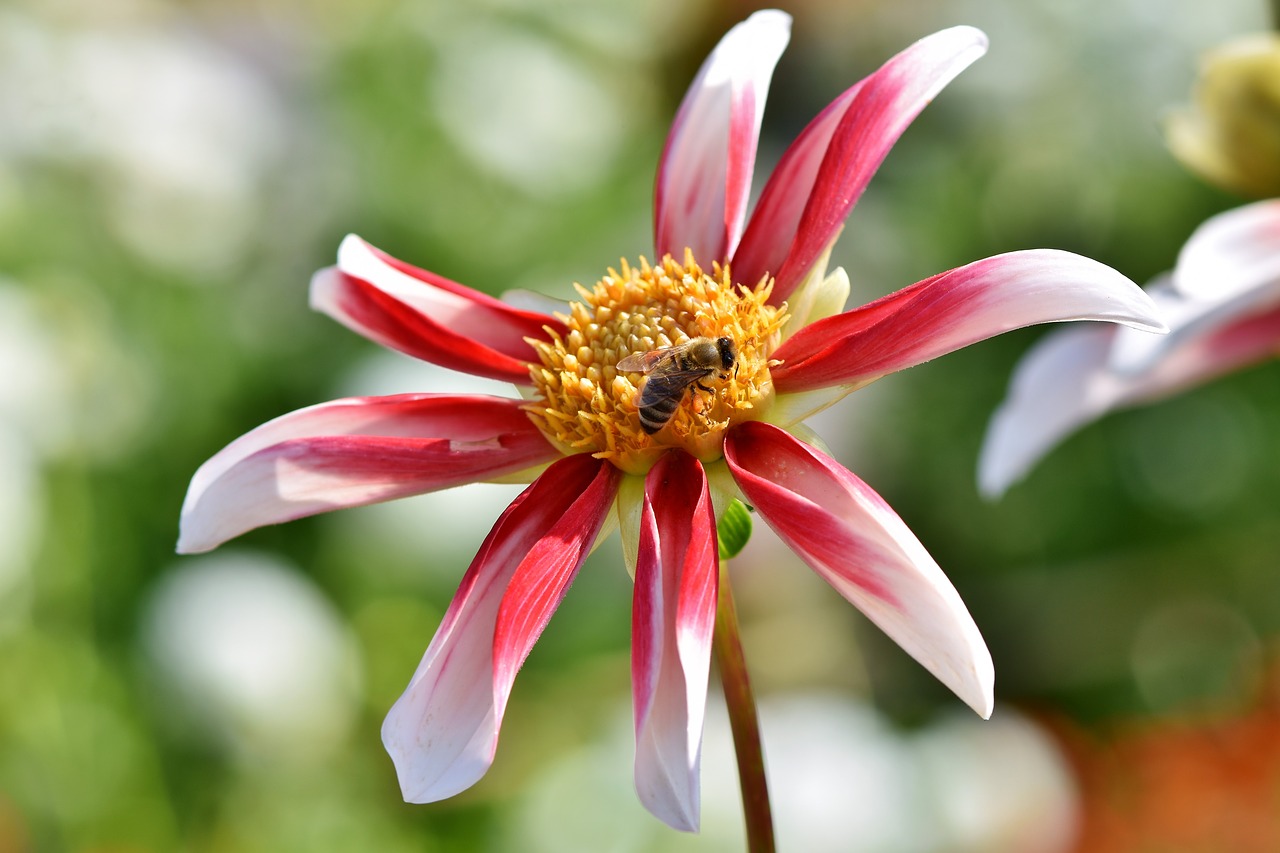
column 584, row 403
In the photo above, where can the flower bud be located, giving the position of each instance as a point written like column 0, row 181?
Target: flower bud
column 1230, row 134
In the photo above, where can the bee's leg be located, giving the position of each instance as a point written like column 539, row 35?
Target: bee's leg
column 702, row 387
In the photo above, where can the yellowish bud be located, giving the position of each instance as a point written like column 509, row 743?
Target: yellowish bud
column 1230, row 134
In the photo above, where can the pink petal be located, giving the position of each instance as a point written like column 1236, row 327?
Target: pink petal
column 822, row 174
column 427, row 316
column 704, row 176
column 954, row 309
column 354, row 452
column 1231, row 253
column 851, row 537
column 673, row 617
column 1071, row 377
column 1228, row 271
column 540, row 581
column 443, row 731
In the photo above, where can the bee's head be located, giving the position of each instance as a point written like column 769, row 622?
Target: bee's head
column 728, row 352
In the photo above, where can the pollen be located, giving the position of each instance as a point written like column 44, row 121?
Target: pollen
column 584, row 404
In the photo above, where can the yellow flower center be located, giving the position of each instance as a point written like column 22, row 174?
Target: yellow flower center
column 585, row 404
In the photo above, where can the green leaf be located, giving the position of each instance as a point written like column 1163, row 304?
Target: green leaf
column 733, row 529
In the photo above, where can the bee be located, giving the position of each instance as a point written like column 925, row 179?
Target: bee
column 671, row 370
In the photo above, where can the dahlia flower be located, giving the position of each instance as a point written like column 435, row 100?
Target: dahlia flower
column 1222, row 303
column 576, row 435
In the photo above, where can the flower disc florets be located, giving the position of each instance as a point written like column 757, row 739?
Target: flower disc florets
column 585, row 404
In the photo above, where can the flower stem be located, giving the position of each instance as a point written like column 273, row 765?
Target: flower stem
column 743, row 720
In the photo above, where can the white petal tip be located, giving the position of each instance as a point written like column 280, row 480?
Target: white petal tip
column 979, row 693
column 192, row 539
column 1141, row 311
column 322, row 282
column 676, row 815
column 417, row 797
column 977, row 36
column 419, row 791
column 771, row 18
column 350, row 244
column 996, row 474
column 184, row 547
column 434, row 745
column 1154, row 325
column 992, row 488
column 1010, row 449
column 357, row 257
column 968, row 44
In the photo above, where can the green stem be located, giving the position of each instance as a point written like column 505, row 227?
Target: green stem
column 1275, row 13
column 743, row 720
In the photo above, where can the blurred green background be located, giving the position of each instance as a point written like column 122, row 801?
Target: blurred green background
column 171, row 173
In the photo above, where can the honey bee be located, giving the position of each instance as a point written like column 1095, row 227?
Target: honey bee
column 670, row 371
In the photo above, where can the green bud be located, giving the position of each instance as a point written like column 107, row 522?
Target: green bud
column 733, row 529
column 1230, row 135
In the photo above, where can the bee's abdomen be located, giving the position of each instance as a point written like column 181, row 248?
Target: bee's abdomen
column 660, row 396
column 654, row 414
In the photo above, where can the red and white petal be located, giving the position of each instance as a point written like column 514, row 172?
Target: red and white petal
column 954, row 309
column 1227, row 272
column 820, row 177
column 443, row 731
column 851, row 537
column 704, row 176
column 1070, row 378
column 673, row 618
column 353, row 452
column 427, row 316
column 1231, row 253
column 1191, row 321
column 1221, row 349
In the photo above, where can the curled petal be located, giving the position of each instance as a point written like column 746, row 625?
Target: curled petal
column 820, row 177
column 1074, row 376
column 851, row 537
column 673, row 617
column 427, row 316
column 954, row 309
column 1231, row 253
column 354, row 452
column 443, row 731
column 704, row 176
column 1227, row 272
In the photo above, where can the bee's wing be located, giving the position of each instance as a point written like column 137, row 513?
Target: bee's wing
column 644, row 362
column 668, row 384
